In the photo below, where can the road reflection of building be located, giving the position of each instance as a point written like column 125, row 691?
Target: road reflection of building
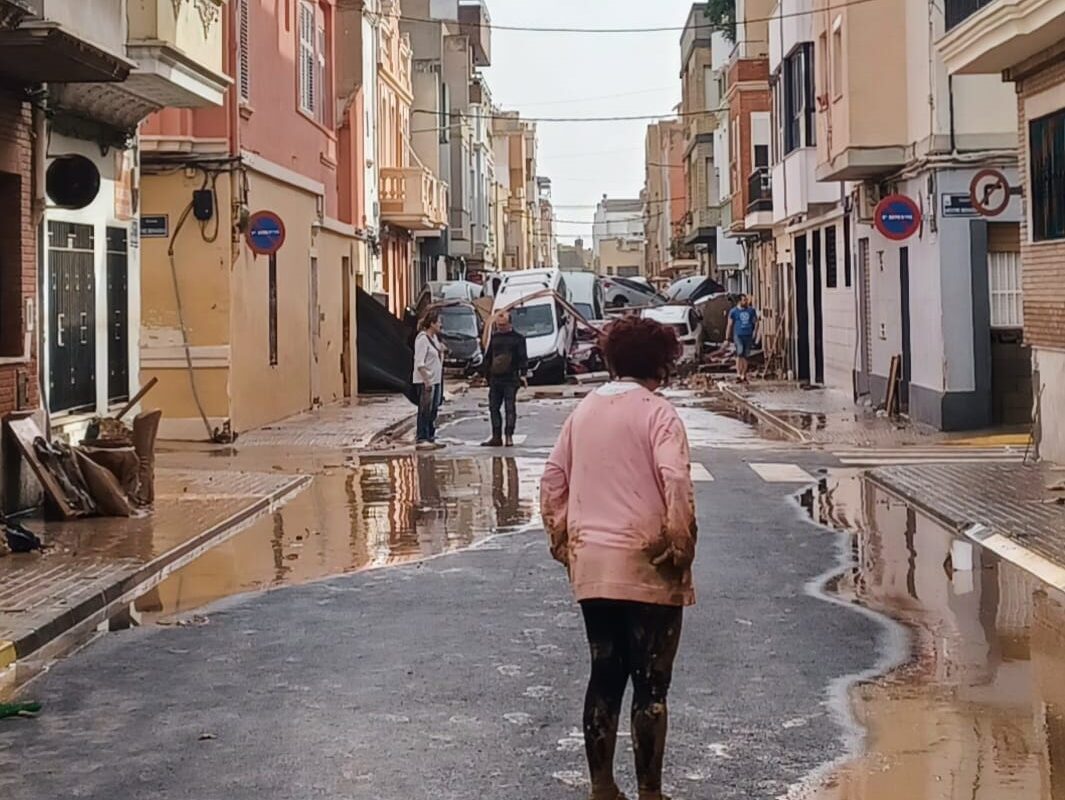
column 969, row 715
column 506, row 486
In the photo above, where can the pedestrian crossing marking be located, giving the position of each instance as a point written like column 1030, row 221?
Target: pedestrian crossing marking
column 701, row 474
column 782, row 473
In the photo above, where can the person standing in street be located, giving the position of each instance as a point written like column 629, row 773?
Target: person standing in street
column 505, row 364
column 743, row 323
column 618, row 504
column 428, row 378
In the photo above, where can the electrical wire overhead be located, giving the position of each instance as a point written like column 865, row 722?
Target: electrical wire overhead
column 710, row 26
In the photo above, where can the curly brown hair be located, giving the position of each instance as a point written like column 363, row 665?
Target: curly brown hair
column 641, row 348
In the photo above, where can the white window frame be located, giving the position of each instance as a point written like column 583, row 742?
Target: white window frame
column 1005, row 289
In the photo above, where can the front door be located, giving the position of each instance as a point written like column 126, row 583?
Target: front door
column 345, row 350
column 314, row 315
column 817, row 285
column 72, row 317
column 117, row 315
column 802, row 311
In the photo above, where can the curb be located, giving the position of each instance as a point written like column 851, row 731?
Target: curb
column 769, row 418
column 55, row 636
column 996, row 542
column 400, row 426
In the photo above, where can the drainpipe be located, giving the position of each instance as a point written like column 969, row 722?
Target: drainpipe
column 953, row 132
column 38, row 204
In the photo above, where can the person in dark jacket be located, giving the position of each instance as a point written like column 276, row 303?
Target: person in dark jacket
column 504, row 365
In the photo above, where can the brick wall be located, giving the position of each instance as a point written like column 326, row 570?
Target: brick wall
column 1043, row 262
column 18, row 254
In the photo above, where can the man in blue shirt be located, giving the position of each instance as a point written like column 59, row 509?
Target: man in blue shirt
column 743, row 323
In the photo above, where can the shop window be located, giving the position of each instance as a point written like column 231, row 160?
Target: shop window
column 1046, row 142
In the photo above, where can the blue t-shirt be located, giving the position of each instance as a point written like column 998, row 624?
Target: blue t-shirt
column 743, row 321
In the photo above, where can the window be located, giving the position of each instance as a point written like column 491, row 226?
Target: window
column 313, row 63
column 761, row 156
column 244, row 56
column 799, row 98
column 1046, row 141
column 837, row 59
column 831, row 269
column 1004, row 281
column 445, row 113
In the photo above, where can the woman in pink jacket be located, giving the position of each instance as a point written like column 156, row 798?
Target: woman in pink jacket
column 618, row 504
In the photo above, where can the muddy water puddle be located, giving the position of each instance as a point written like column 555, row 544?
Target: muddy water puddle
column 978, row 709
column 371, row 512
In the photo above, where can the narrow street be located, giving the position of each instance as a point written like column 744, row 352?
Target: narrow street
column 459, row 676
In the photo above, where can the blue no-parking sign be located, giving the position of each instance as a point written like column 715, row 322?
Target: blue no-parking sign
column 266, row 233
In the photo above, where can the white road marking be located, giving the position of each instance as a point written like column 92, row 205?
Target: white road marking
column 782, row 473
column 701, row 474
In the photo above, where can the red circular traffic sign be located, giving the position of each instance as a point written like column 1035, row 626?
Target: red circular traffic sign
column 990, row 192
column 266, row 233
column 897, row 217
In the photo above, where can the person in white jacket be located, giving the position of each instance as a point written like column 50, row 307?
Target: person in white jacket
column 428, row 378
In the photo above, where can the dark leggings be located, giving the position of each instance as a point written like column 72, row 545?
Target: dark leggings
column 637, row 641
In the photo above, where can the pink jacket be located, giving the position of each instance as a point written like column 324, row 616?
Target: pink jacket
column 617, row 499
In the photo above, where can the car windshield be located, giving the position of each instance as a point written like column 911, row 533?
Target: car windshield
column 460, row 322
column 533, row 320
column 585, row 309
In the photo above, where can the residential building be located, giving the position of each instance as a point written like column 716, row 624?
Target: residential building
column 413, row 200
column 923, row 291
column 99, row 68
column 1022, row 41
column 618, row 241
column 747, row 97
column 665, row 200
column 451, row 126
column 547, row 239
column 811, row 219
column 729, row 256
column 239, row 336
column 512, row 139
column 700, row 97
column 575, row 256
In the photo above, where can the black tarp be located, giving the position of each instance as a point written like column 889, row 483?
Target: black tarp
column 386, row 360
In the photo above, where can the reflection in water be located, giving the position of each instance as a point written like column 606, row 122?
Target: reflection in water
column 379, row 511
column 977, row 710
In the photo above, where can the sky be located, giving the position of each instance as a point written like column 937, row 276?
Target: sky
column 587, row 75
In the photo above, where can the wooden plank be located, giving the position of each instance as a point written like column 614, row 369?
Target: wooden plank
column 26, row 432
column 892, row 399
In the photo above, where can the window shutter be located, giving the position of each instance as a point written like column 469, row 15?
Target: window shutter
column 243, row 24
column 307, row 65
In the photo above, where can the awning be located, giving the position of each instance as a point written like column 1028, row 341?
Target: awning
column 46, row 52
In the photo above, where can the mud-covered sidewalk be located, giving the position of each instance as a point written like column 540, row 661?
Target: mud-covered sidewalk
column 93, row 569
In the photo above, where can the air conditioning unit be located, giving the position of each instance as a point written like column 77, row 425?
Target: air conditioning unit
column 868, row 195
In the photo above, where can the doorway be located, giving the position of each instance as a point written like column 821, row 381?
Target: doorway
column 904, row 305
column 819, row 322
column 802, row 312
column 117, row 315
column 345, row 348
column 1011, row 360
column 72, row 317
column 314, row 317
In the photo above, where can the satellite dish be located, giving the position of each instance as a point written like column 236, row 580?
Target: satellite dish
column 72, row 182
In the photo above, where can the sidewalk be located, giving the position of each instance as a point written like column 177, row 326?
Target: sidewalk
column 205, row 494
column 1014, row 510
column 831, row 417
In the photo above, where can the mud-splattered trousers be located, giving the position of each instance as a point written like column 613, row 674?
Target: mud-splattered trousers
column 637, row 641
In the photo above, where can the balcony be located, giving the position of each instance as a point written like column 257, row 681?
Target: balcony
column 702, row 226
column 412, row 198
column 992, row 36
column 12, row 12
column 177, row 45
column 759, row 200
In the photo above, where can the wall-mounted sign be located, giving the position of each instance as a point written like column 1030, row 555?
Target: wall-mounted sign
column 897, row 217
column 155, row 226
column 958, row 204
column 266, row 233
column 990, row 192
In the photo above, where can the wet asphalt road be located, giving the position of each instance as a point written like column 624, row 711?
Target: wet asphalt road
column 461, row 677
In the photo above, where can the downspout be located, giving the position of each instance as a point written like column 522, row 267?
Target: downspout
column 38, row 204
column 953, row 132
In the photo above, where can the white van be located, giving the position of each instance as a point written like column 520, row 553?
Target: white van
column 546, row 325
